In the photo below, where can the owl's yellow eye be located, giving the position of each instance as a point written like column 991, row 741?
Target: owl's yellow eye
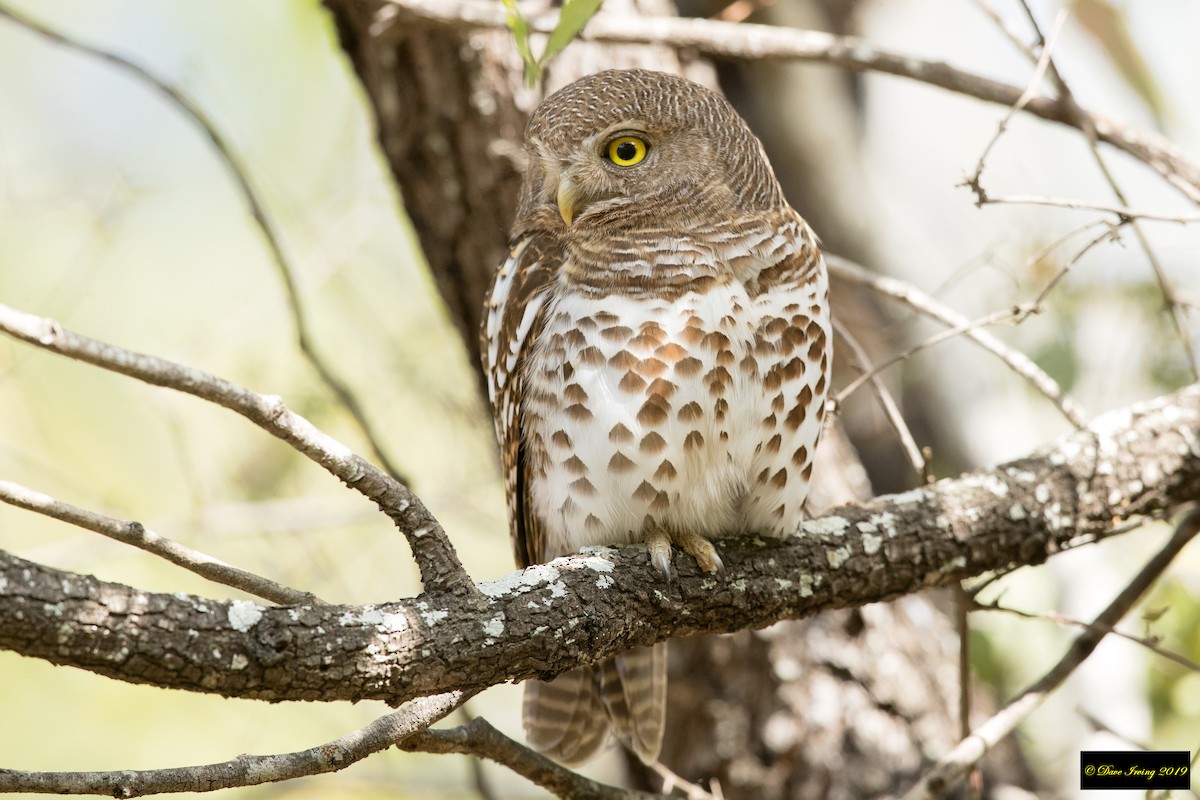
column 625, row 151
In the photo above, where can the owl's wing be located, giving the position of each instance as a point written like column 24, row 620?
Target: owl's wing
column 515, row 313
column 792, row 345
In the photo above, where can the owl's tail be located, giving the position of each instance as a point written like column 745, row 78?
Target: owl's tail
column 569, row 717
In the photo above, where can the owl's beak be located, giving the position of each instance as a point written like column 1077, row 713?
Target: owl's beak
column 568, row 198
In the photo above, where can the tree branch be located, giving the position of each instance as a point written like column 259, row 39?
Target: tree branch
column 1085, row 124
column 758, row 42
column 575, row 610
column 134, row 533
column 869, row 373
column 479, row 738
column 240, row 175
column 245, row 770
column 1153, row 644
column 435, row 556
column 953, row 766
column 914, row 298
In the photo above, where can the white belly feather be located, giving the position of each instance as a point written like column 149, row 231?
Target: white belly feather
column 655, row 412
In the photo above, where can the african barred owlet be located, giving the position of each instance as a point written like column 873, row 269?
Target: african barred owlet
column 657, row 353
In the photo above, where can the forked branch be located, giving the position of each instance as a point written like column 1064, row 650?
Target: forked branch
column 435, row 556
column 577, row 609
column 134, row 533
column 954, row 765
column 245, row 770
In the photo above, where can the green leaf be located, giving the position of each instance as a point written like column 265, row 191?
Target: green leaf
column 520, row 32
column 575, row 14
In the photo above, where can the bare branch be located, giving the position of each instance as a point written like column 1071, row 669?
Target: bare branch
column 1111, row 233
column 753, row 42
column 245, row 770
column 136, row 534
column 951, row 768
column 483, row 786
column 1016, row 312
column 692, row 791
column 1066, row 202
column 479, row 738
column 922, row 303
column 1062, row 619
column 1088, row 126
column 578, row 609
column 241, row 177
column 1031, row 91
column 962, row 624
column 1009, row 32
column 886, row 402
column 435, row 556
column 1170, row 298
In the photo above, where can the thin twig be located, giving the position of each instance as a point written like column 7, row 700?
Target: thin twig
column 887, row 403
column 1088, row 125
column 749, row 41
column 431, row 548
column 1062, row 239
column 1042, row 45
column 1011, row 33
column 134, row 533
column 951, row 768
column 1102, row 726
column 241, row 177
column 479, row 738
column 1174, row 307
column 922, row 303
column 963, row 625
column 1112, row 233
column 1017, row 312
column 245, row 770
column 1039, row 72
column 1064, row 620
column 671, row 782
column 483, row 786
column 1122, row 213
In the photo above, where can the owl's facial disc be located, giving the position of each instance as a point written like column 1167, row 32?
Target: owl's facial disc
column 594, row 169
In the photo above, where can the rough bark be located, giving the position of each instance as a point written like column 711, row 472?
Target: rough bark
column 553, row 617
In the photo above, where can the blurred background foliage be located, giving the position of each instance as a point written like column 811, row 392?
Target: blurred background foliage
column 118, row 219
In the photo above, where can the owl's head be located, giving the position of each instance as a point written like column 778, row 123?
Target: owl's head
column 626, row 145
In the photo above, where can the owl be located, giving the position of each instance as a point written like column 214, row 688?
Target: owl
column 657, row 353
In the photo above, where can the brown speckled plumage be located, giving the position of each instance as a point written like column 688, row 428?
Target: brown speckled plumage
column 657, row 349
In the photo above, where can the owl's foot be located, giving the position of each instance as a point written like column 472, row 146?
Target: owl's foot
column 659, row 541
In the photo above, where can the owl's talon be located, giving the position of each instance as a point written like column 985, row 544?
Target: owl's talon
column 712, row 563
column 659, row 542
column 700, row 549
column 662, row 562
column 659, row 545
